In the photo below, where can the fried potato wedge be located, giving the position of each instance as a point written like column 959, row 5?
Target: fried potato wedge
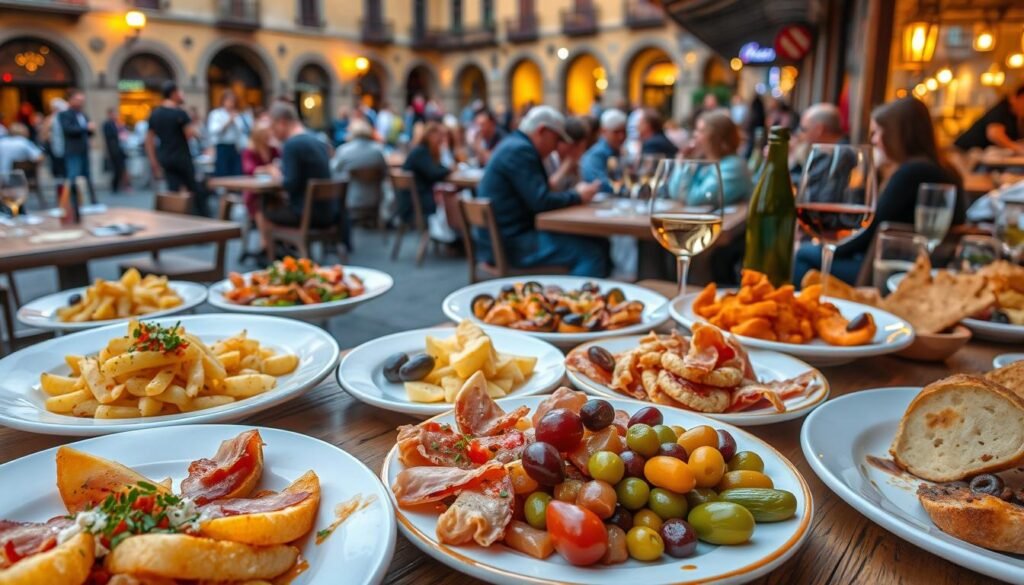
column 277, row 527
column 66, row 564
column 84, row 479
column 179, row 556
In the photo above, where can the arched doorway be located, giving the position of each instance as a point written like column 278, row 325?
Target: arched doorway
column 370, row 85
column 651, row 78
column 525, row 85
column 420, row 81
column 138, row 86
column 32, row 72
column 585, row 83
column 471, row 85
column 313, row 95
column 716, row 73
column 241, row 70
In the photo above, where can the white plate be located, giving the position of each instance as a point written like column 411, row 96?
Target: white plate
column 893, row 334
column 1005, row 359
column 30, row 494
column 361, row 371
column 456, row 306
column 836, row 440
column 768, row 365
column 22, row 403
column 998, row 332
column 42, row 312
column 375, row 281
column 771, row 545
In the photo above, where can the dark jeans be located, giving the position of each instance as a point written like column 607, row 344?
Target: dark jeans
column 181, row 176
column 117, row 169
column 77, row 165
column 228, row 162
column 581, row 255
column 808, row 257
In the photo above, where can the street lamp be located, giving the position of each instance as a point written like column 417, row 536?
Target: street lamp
column 135, row 20
column 362, row 64
column 984, row 38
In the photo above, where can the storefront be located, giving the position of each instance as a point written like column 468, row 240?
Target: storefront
column 525, row 85
column 471, row 85
column 32, row 72
column 242, row 71
column 312, row 94
column 651, row 77
column 585, row 83
column 139, row 84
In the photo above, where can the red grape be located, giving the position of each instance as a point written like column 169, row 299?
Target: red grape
column 597, row 414
column 647, row 415
column 680, row 538
column 562, row 428
column 673, row 450
column 726, row 444
column 634, row 463
column 621, row 517
column 543, row 463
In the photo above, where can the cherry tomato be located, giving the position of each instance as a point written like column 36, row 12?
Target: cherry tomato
column 478, row 453
column 577, row 533
column 144, row 503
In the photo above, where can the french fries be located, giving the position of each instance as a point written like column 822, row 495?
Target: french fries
column 462, row 355
column 158, row 370
column 130, row 296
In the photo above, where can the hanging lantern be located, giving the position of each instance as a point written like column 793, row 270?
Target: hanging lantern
column 984, row 38
column 919, row 41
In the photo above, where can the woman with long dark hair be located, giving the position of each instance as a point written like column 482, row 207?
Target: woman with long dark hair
column 424, row 162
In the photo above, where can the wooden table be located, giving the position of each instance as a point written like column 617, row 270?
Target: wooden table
column 241, row 183
column 978, row 184
column 1001, row 160
column 465, row 179
column 844, row 546
column 600, row 221
column 159, row 231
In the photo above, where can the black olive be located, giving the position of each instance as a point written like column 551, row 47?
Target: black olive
column 417, row 367
column 481, row 304
column 532, row 287
column 562, row 310
column 392, row 365
column 574, row 319
column 74, row 299
column 987, row 484
column 999, row 317
column 601, row 357
column 590, row 286
column 858, row 322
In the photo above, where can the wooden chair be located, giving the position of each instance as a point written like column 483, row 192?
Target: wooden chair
column 368, row 215
column 403, row 180
column 31, row 170
column 179, row 266
column 478, row 213
column 301, row 237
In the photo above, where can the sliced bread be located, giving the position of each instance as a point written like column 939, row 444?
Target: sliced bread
column 979, row 519
column 1011, row 376
column 960, row 427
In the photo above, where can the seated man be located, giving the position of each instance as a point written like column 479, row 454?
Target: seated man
column 594, row 164
column 16, row 147
column 488, row 135
column 651, row 129
column 360, row 153
column 517, row 185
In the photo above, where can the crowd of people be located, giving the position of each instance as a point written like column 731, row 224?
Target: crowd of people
column 531, row 161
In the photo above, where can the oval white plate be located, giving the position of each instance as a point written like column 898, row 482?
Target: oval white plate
column 361, row 371
column 375, row 281
column 42, row 312
column 30, row 491
column 893, row 334
column 22, row 403
column 1005, row 359
column 836, row 440
column 456, row 306
column 768, row 365
column 771, row 545
column 998, row 332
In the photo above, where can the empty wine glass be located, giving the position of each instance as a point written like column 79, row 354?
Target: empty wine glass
column 934, row 212
column 895, row 253
column 685, row 209
column 639, row 174
column 837, row 197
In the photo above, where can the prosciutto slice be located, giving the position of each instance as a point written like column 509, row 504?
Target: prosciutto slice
column 422, row 485
column 430, row 444
column 750, row 392
column 22, row 539
column 578, row 361
column 211, row 479
column 266, row 503
column 477, row 414
column 479, row 514
column 564, row 397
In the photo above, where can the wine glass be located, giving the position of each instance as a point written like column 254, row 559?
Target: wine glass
column 685, row 209
column 639, row 173
column 837, row 197
column 895, row 253
column 934, row 212
column 615, row 174
column 975, row 251
column 13, row 193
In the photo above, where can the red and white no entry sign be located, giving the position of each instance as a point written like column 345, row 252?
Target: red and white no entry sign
column 793, row 42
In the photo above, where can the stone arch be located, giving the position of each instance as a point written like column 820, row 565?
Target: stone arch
column 84, row 75
column 317, row 59
column 434, row 82
column 262, row 60
column 470, row 66
column 565, row 68
column 146, row 46
column 518, row 98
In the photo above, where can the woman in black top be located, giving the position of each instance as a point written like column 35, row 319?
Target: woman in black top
column 424, row 162
column 905, row 148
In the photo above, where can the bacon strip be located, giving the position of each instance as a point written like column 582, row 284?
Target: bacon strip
column 750, row 392
column 421, row 485
column 267, row 503
column 22, row 539
column 477, row 414
column 210, row 479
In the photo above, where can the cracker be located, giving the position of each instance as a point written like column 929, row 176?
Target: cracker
column 934, row 304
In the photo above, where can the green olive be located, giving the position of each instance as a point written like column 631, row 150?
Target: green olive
column 667, row 504
column 647, row 518
column 665, row 434
column 606, row 466
column 632, row 493
column 644, row 544
column 698, row 496
column 766, row 505
column 722, row 523
column 642, row 439
column 536, row 508
column 746, row 461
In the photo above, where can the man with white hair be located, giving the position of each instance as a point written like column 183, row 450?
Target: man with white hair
column 820, row 124
column 516, row 183
column 594, row 164
column 16, row 147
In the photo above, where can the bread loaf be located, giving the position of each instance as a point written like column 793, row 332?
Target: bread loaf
column 980, row 519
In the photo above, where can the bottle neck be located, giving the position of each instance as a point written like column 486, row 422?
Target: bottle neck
column 778, row 154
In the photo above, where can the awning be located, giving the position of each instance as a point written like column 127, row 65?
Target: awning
column 727, row 25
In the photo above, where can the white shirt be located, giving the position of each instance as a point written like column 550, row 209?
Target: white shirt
column 224, row 130
column 17, row 149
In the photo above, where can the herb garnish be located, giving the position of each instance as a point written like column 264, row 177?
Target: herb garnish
column 140, row 510
column 153, row 337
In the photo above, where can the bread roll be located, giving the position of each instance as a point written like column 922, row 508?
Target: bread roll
column 980, row 519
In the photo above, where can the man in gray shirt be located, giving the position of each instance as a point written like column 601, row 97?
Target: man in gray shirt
column 357, row 157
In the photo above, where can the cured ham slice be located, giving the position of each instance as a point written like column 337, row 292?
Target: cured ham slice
column 230, row 468
column 564, row 397
column 578, row 361
column 421, row 485
column 266, row 503
column 508, row 447
column 751, row 392
column 479, row 514
column 432, row 444
column 22, row 539
column 477, row 414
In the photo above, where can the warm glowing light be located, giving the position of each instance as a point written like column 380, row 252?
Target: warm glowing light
column 690, row 58
column 901, row 93
column 563, row 53
column 135, row 20
column 362, row 64
column 944, row 75
column 599, row 73
column 920, row 90
column 984, row 40
column 601, row 84
column 309, row 103
column 931, row 84
column 736, row 63
column 1015, row 61
column 919, row 41
column 994, row 77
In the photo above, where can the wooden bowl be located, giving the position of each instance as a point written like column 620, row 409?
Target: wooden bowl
column 936, row 347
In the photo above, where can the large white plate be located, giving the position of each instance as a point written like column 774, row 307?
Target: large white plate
column 361, row 371
column 375, row 281
column 771, row 545
column 768, row 365
column 456, row 306
column 893, row 334
column 998, row 332
column 22, row 402
column 837, row 439
column 30, row 491
column 42, row 312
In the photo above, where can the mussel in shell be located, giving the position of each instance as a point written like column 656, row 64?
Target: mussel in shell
column 590, row 287
column 481, row 305
column 532, row 287
column 614, row 296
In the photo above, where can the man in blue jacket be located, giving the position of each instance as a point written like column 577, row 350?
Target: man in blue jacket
column 516, row 183
column 594, row 164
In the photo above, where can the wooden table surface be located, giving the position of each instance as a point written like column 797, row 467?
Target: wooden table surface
column 245, row 183
column 978, row 184
column 844, row 546
column 1001, row 160
column 602, row 220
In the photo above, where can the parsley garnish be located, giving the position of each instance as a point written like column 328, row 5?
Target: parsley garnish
column 140, row 510
column 153, row 337
column 322, row 534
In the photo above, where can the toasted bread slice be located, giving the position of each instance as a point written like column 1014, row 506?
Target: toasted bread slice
column 179, row 556
column 68, row 563
column 1011, row 376
column 277, row 527
column 979, row 519
column 960, row 427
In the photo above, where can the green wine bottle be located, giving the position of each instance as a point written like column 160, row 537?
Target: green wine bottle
column 771, row 219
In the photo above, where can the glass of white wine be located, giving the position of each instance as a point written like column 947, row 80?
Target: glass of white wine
column 934, row 212
column 13, row 193
column 685, row 209
column 616, row 174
